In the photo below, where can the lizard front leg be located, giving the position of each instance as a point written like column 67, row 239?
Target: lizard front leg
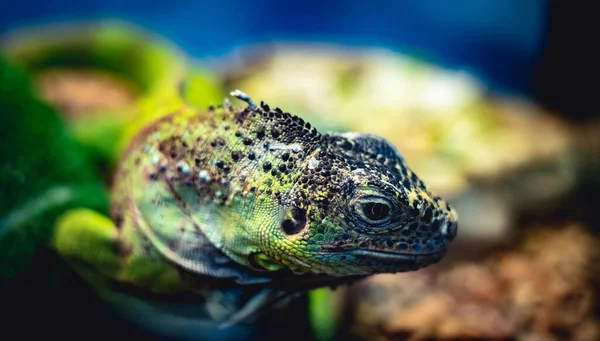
column 92, row 242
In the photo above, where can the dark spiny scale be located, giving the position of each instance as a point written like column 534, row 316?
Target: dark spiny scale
column 404, row 170
column 428, row 214
column 425, row 228
column 346, row 145
column 240, row 116
column 264, row 106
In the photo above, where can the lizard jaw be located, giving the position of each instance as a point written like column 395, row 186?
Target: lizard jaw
column 393, row 257
column 382, row 261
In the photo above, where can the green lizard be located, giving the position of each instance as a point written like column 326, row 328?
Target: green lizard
column 256, row 198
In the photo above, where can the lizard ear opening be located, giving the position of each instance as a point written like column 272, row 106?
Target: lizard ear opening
column 295, row 221
column 290, row 227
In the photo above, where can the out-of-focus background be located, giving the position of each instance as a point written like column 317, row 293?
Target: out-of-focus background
column 492, row 103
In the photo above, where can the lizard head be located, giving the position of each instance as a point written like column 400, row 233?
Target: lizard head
column 356, row 209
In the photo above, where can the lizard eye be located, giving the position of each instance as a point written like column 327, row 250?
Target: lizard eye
column 375, row 210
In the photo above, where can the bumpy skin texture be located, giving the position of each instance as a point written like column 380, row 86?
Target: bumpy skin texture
column 257, row 195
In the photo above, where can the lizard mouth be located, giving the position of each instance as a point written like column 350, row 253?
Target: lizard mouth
column 396, row 262
column 393, row 256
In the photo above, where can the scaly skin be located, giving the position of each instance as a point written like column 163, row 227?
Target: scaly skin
column 259, row 197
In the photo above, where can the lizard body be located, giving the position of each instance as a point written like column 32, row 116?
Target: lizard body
column 258, row 197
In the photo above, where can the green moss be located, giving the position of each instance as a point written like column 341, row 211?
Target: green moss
column 151, row 65
column 43, row 172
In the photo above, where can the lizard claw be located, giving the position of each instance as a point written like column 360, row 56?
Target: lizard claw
column 242, row 96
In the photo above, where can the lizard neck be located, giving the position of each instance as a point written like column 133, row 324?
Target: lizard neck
column 213, row 173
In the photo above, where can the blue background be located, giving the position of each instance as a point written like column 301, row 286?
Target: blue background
column 498, row 40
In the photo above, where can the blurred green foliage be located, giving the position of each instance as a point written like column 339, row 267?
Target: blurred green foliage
column 49, row 164
column 43, row 172
column 115, row 47
column 151, row 65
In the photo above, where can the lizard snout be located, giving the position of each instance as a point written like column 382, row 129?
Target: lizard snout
column 449, row 229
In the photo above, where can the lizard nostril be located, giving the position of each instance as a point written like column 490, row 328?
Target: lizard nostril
column 449, row 229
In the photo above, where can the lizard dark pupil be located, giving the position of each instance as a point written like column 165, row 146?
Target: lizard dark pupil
column 376, row 211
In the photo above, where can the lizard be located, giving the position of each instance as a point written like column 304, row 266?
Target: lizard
column 256, row 202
